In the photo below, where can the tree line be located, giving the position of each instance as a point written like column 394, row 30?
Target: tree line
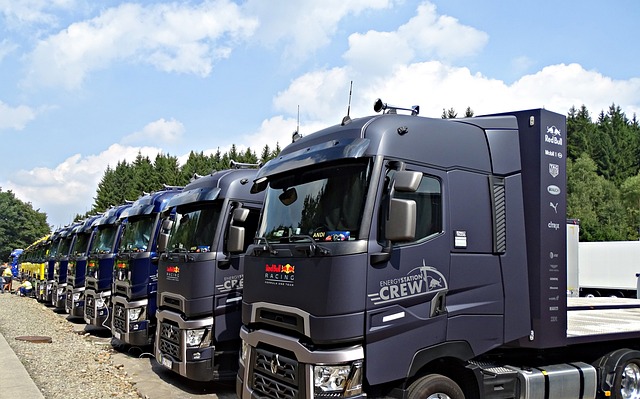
column 127, row 181
column 603, row 180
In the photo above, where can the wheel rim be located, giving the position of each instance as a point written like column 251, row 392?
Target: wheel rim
column 630, row 383
column 438, row 396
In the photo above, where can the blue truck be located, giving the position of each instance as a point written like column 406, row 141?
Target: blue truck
column 76, row 272
column 411, row 257
column 45, row 293
column 135, row 281
column 61, row 267
column 100, row 265
column 200, row 274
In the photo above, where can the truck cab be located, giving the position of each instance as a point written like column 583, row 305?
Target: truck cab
column 135, row 282
column 411, row 257
column 77, row 269
column 200, row 274
column 100, row 265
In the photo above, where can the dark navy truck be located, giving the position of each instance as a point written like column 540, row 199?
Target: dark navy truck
column 410, row 257
column 46, row 293
column 135, row 280
column 77, row 269
column 61, row 267
column 200, row 275
column 99, row 278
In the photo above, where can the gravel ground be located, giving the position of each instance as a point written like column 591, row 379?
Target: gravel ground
column 69, row 366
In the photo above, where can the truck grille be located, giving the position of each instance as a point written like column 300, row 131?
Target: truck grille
column 170, row 340
column 119, row 315
column 276, row 376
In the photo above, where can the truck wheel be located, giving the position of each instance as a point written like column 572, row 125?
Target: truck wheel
column 435, row 386
column 628, row 380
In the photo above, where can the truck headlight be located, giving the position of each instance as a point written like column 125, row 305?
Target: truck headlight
column 134, row 314
column 198, row 338
column 60, row 291
column 76, row 297
column 99, row 303
column 342, row 378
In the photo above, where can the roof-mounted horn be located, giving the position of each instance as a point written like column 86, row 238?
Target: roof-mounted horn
column 378, row 106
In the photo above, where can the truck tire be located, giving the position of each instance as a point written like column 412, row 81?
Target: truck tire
column 435, row 386
column 627, row 381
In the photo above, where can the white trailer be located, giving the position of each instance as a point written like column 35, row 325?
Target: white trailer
column 606, row 268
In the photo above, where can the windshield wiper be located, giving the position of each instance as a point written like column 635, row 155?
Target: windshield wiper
column 310, row 250
column 265, row 247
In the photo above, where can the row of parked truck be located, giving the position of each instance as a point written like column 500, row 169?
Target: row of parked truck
column 386, row 256
column 163, row 270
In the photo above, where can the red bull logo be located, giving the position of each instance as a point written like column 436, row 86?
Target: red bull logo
column 173, row 273
column 173, row 269
column 277, row 274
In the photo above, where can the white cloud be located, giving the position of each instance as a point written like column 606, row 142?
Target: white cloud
column 6, row 48
column 306, row 25
column 425, row 36
column 15, row 117
column 69, row 188
column 26, row 12
column 160, row 131
column 172, row 37
column 436, row 86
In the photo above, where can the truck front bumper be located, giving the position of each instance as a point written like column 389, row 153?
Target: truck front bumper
column 136, row 332
column 264, row 374
column 196, row 363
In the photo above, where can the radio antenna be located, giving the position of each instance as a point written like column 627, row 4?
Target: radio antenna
column 347, row 118
column 296, row 135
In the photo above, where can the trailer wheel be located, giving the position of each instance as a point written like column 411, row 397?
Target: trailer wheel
column 435, row 386
column 628, row 380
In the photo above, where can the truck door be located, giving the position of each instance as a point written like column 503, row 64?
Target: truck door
column 406, row 293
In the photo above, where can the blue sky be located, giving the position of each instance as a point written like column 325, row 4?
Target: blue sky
column 85, row 84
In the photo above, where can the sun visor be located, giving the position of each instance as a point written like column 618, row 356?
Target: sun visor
column 316, row 154
column 195, row 195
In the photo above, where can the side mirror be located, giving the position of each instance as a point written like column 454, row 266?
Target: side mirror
column 239, row 215
column 235, row 239
column 167, row 224
column 401, row 225
column 406, row 181
column 163, row 240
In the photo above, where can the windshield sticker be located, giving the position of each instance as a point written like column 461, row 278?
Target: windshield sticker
column 276, row 274
column 201, row 248
column 332, row 235
column 231, row 283
column 419, row 281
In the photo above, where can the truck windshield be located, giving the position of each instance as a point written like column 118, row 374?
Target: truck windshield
column 82, row 240
column 194, row 228
column 105, row 237
column 323, row 203
column 137, row 234
column 54, row 248
column 65, row 246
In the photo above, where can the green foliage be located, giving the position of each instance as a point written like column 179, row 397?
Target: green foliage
column 128, row 181
column 20, row 224
column 602, row 174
